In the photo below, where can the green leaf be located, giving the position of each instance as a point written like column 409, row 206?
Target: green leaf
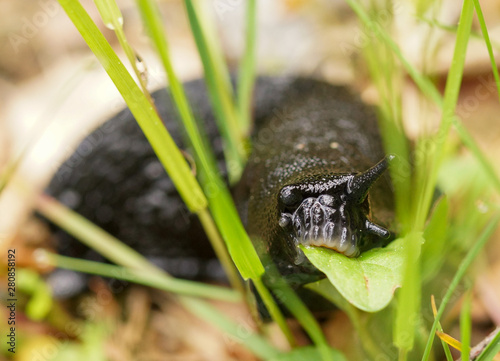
column 308, row 353
column 144, row 277
column 367, row 282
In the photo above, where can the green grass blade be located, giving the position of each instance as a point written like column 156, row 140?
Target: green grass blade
column 110, row 13
column 447, row 352
column 409, row 296
column 464, row 265
column 310, row 353
column 220, row 96
column 154, row 25
column 169, row 284
column 246, row 77
column 297, row 308
column 274, row 311
column 162, row 143
column 445, row 345
column 93, row 236
column 113, row 19
column 465, row 326
column 452, row 90
column 329, row 292
column 487, row 41
column 205, row 12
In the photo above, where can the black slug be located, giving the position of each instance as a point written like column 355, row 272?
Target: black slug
column 311, row 179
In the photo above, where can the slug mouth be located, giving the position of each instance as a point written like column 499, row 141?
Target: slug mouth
column 335, row 217
column 316, row 222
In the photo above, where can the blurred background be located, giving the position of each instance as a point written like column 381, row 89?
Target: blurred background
column 53, row 92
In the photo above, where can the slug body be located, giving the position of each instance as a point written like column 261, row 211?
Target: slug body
column 316, row 153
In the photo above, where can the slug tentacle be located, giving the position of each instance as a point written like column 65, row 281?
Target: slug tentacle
column 360, row 184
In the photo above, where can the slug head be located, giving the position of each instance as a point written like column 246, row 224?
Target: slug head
column 332, row 212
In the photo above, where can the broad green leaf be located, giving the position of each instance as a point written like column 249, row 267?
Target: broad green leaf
column 367, row 282
column 307, row 353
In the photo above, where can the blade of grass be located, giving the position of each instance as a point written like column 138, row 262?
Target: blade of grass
column 409, row 297
column 304, row 317
column 113, row 19
column 275, row 312
column 452, row 89
column 391, row 119
column 93, row 236
column 220, row 96
column 465, row 326
column 328, row 291
column 218, row 200
column 146, row 278
column 446, row 349
column 246, row 76
column 205, row 11
column 464, row 265
column 294, row 304
column 487, row 41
